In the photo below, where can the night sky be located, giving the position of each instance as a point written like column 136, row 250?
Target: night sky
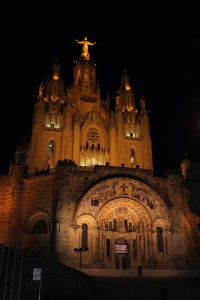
column 159, row 47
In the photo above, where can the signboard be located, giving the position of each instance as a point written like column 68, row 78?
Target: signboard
column 120, row 248
column 37, row 272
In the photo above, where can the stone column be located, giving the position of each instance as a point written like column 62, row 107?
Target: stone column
column 130, row 242
column 138, row 249
column 154, row 243
column 112, row 242
column 146, row 247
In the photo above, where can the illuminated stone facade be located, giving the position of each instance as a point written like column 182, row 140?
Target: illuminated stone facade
column 86, row 180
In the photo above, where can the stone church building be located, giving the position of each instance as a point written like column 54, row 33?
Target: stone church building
column 85, row 182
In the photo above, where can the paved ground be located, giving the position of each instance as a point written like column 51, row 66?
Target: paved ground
column 125, row 284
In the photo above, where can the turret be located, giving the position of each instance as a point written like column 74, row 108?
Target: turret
column 48, row 122
column 126, row 97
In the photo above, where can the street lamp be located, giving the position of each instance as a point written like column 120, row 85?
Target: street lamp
column 80, row 250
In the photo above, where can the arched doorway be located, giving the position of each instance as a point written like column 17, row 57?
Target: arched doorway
column 124, row 211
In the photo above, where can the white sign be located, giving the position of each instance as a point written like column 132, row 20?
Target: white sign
column 120, row 249
column 37, row 274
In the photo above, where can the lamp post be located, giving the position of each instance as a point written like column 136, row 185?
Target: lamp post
column 80, row 250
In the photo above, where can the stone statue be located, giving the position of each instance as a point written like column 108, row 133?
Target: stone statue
column 85, row 44
column 185, row 164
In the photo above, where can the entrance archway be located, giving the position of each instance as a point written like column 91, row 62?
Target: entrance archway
column 128, row 210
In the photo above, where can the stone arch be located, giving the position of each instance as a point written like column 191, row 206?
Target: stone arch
column 86, row 218
column 39, row 219
column 113, row 189
column 125, row 208
column 160, row 222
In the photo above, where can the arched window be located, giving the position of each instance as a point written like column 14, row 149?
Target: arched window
column 108, row 247
column 84, row 235
column 159, row 239
column 132, row 154
column 93, row 137
column 51, row 148
column 115, row 225
column 110, row 225
column 86, row 78
column 39, row 227
column 126, row 224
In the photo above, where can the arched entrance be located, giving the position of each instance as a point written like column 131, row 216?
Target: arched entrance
column 123, row 216
column 123, row 223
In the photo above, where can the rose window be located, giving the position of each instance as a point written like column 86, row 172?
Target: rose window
column 92, row 136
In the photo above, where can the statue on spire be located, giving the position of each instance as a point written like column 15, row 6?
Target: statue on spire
column 85, row 44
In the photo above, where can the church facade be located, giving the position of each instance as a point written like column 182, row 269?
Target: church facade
column 85, row 182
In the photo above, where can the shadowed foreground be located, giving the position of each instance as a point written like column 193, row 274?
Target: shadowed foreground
column 59, row 282
column 146, row 288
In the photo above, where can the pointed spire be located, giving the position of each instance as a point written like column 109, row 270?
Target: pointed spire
column 56, row 69
column 125, row 98
column 142, row 103
column 54, row 89
column 125, row 85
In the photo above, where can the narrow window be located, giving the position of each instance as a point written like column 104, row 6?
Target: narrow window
column 126, row 224
column 108, row 247
column 159, row 239
column 110, row 225
column 132, row 156
column 51, row 148
column 114, row 225
column 84, row 235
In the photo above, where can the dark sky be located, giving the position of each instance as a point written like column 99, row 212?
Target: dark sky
column 159, row 47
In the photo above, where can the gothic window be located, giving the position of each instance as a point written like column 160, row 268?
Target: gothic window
column 114, row 225
column 108, row 247
column 126, row 224
column 159, row 239
column 86, row 78
column 132, row 154
column 51, row 148
column 92, row 136
column 39, row 227
column 84, row 235
column 130, row 226
column 110, row 225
